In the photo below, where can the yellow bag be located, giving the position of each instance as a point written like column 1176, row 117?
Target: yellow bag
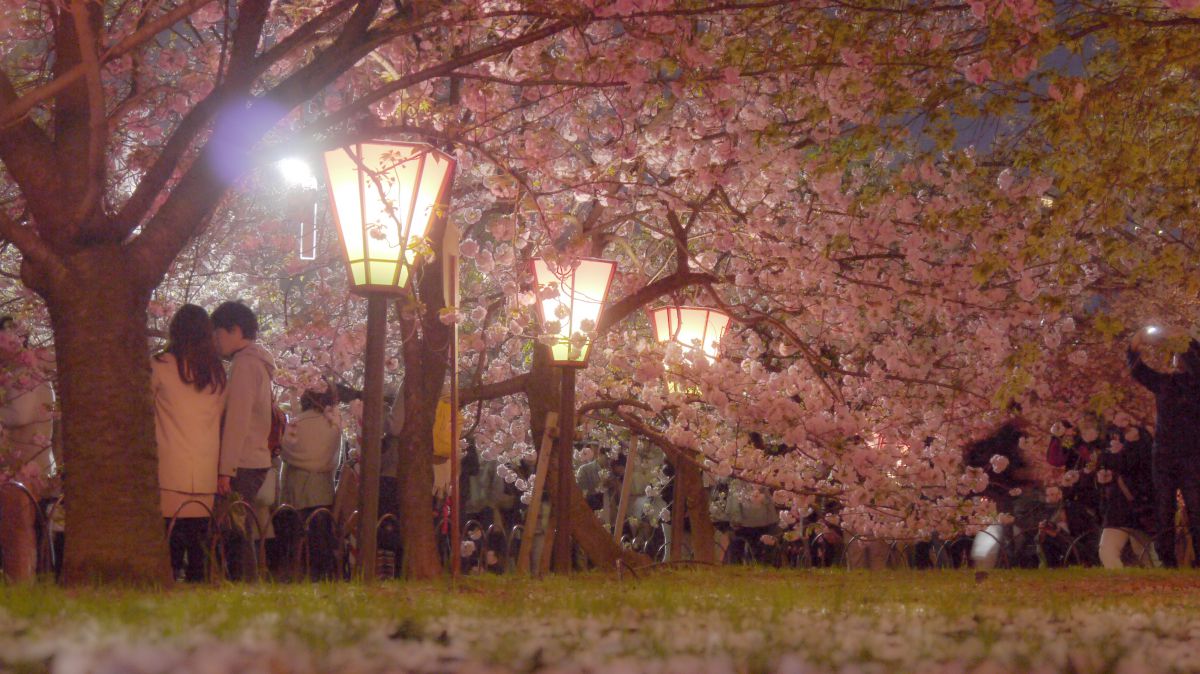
column 441, row 429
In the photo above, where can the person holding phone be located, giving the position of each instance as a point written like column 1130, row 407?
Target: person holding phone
column 1174, row 458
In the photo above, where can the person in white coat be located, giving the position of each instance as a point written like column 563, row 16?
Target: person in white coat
column 26, row 456
column 188, row 383
column 310, row 455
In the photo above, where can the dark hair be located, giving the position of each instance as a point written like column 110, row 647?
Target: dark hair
column 10, row 323
column 230, row 314
column 1005, row 441
column 313, row 399
column 191, row 342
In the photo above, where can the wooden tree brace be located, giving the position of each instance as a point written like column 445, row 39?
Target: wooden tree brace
column 533, row 513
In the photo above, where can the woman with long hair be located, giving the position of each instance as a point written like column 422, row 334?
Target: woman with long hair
column 188, row 382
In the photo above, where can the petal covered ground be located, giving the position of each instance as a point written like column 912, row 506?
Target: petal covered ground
column 712, row 621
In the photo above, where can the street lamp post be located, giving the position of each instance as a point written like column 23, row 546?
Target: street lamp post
column 384, row 195
column 699, row 329
column 570, row 301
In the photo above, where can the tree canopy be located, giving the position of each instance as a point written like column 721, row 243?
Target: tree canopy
column 917, row 214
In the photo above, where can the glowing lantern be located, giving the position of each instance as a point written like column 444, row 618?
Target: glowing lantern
column 570, row 302
column 691, row 327
column 385, row 195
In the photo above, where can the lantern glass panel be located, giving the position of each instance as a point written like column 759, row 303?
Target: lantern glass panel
column 385, row 195
column 691, row 327
column 570, row 315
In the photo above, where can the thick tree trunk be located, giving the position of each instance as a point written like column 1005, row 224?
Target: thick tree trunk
column 114, row 530
column 426, row 341
column 704, row 544
column 415, row 473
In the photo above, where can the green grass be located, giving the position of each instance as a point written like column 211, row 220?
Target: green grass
column 735, row 591
column 749, row 614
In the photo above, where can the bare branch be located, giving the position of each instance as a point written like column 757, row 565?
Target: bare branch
column 12, row 111
column 97, row 128
column 32, row 246
column 619, row 310
column 499, row 389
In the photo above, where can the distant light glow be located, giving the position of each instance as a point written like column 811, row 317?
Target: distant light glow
column 297, row 173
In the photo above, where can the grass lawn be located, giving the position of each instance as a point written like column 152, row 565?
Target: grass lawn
column 697, row 620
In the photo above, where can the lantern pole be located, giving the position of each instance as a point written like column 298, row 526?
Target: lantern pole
column 368, row 521
column 455, row 460
column 566, row 476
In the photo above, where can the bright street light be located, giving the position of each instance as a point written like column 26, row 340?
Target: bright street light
column 297, row 173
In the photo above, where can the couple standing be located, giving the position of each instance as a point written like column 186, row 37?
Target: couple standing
column 211, row 429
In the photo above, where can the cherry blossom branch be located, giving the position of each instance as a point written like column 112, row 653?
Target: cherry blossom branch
column 446, row 68
column 810, row 356
column 17, row 109
column 697, row 458
column 96, row 126
column 619, row 310
column 511, row 386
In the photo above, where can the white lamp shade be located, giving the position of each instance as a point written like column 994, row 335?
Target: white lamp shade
column 691, row 327
column 570, row 316
column 384, row 196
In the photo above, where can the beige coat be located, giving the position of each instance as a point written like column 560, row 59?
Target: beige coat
column 247, row 411
column 28, row 420
column 187, row 426
column 310, row 454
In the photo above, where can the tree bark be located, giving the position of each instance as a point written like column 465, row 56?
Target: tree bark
column 415, row 472
column 114, row 530
column 425, row 338
column 704, row 543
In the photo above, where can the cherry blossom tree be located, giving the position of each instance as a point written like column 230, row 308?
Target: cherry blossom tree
column 879, row 194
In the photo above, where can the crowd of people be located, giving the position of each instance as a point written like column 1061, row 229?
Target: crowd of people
column 1127, row 494
column 226, row 458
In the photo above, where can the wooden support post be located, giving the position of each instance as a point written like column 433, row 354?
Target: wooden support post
column 533, row 512
column 626, row 488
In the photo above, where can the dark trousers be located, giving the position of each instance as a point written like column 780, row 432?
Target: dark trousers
column 188, row 549
column 1171, row 474
column 321, row 542
column 239, row 564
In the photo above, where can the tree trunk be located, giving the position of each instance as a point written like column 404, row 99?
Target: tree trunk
column 679, row 510
column 114, row 530
column 425, row 360
column 704, row 543
column 415, row 472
